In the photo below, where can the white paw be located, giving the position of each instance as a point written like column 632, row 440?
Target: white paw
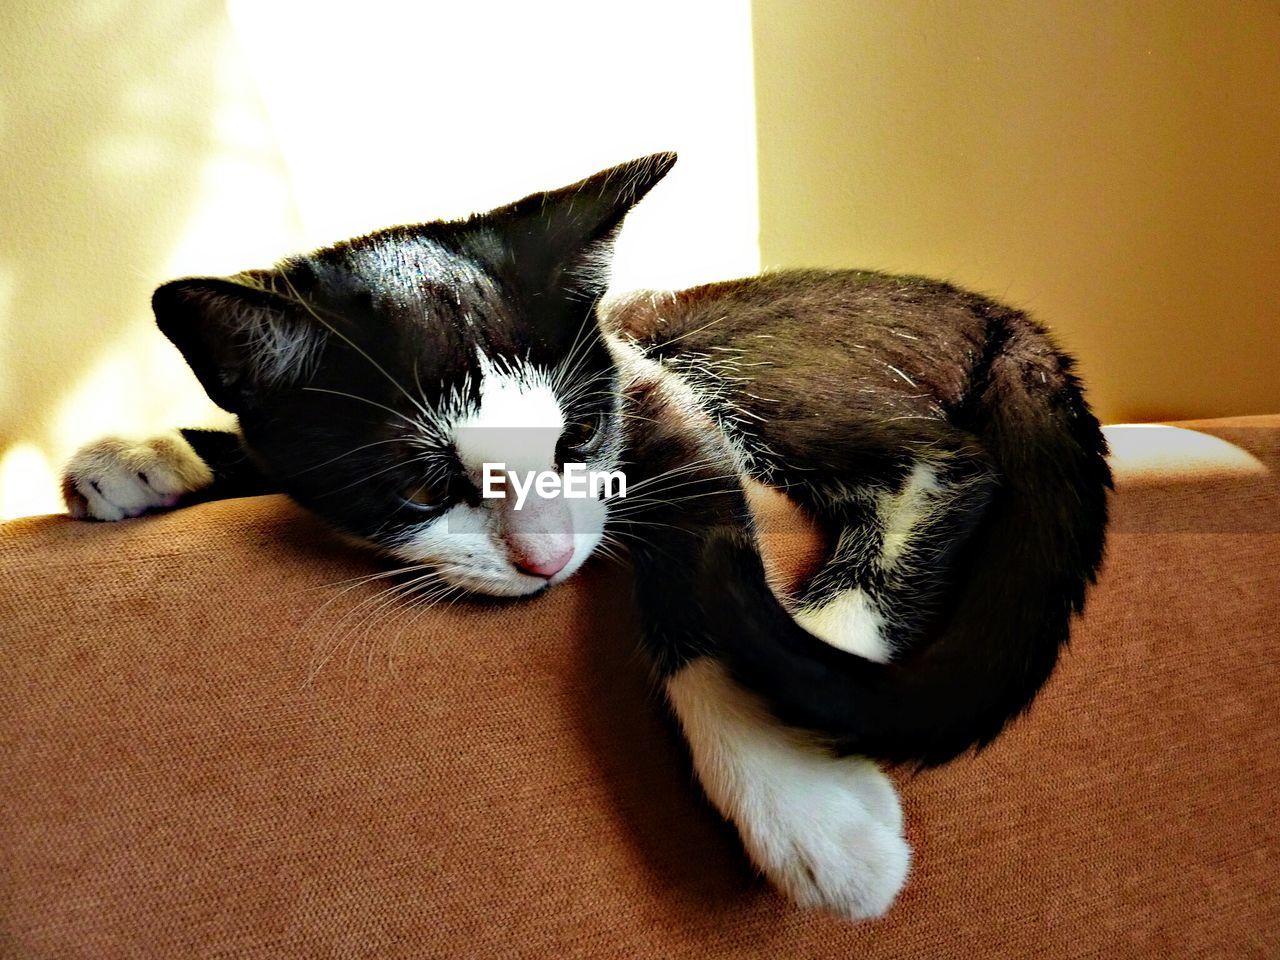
column 830, row 838
column 825, row 830
column 114, row 478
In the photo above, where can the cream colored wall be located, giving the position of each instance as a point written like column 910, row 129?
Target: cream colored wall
column 157, row 138
column 1114, row 168
column 121, row 126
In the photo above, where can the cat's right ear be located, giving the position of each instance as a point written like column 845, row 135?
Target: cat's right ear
column 561, row 241
column 239, row 340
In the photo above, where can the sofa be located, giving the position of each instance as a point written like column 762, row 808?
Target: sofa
column 222, row 739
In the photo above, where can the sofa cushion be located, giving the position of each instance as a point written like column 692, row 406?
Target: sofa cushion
column 219, row 742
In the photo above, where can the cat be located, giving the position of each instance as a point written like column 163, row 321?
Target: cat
column 940, row 435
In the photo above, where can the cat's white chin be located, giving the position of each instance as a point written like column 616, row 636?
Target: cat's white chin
column 476, row 561
column 505, row 584
column 514, row 582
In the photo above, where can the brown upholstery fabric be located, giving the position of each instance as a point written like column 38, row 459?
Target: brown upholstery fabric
column 202, row 760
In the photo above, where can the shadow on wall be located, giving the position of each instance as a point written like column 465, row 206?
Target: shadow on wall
column 107, row 120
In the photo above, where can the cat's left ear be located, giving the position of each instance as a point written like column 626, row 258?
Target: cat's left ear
column 562, row 240
column 240, row 338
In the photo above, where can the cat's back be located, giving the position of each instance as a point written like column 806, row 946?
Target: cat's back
column 892, row 334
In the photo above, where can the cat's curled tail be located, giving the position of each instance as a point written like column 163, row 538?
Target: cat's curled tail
column 1018, row 579
column 1036, row 461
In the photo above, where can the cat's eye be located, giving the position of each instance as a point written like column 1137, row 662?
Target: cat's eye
column 425, row 495
column 579, row 434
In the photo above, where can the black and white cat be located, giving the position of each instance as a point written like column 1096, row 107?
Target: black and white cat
column 941, row 436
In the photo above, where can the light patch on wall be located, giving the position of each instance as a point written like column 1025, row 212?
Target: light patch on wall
column 112, row 399
column 28, row 485
column 246, row 215
column 442, row 109
column 128, row 155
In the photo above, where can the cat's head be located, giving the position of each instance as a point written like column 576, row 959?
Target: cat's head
column 375, row 378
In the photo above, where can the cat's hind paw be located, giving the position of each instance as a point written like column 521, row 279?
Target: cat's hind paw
column 113, row 478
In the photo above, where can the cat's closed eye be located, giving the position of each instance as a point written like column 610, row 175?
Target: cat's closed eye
column 425, row 494
column 578, row 436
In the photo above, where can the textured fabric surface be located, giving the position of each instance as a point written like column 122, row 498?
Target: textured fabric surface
column 203, row 759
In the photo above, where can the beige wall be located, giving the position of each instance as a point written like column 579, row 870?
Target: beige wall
column 1114, row 168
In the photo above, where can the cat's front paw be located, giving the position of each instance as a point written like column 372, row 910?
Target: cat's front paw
column 829, row 837
column 115, row 478
column 825, row 830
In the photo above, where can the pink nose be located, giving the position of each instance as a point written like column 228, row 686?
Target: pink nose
column 544, row 560
column 539, row 536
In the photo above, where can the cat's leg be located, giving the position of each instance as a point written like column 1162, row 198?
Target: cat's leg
column 896, row 542
column 115, row 478
column 825, row 830
column 840, row 603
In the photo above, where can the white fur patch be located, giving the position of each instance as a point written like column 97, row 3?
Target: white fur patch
column 517, row 422
column 902, row 512
column 466, row 545
column 826, row 831
column 850, row 621
column 114, row 478
column 280, row 350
